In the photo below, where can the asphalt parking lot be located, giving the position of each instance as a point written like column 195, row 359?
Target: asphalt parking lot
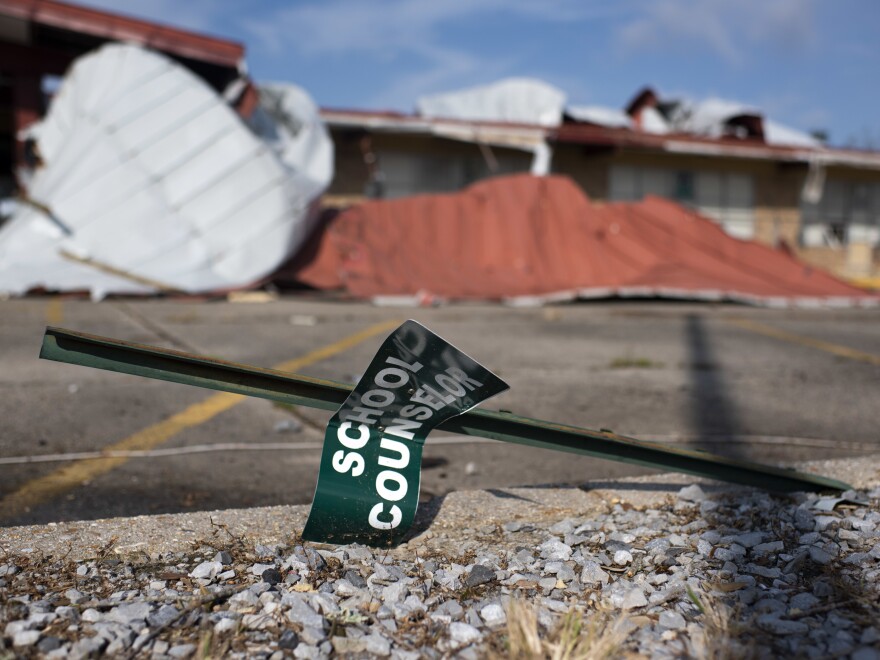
column 770, row 385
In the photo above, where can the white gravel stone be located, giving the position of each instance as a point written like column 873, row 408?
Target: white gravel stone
column 359, row 553
column 225, row 625
column 129, row 612
column 593, row 574
column 75, row 596
column 182, row 650
column 671, row 620
column 91, row 615
column 15, row 627
column 244, row 601
column 345, row 589
column 634, row 598
column 302, row 613
column 206, row 570
column 824, row 522
column 802, row 601
column 563, row 527
column 554, row 549
column 692, row 493
column 547, row 583
column 763, row 571
column 555, row 605
column 749, row 539
column 394, row 593
column 256, row 569
column 87, row 647
column 25, row 638
column 771, row 547
column 772, row 623
column 494, row 615
column 623, row 557
column 376, row 645
column 463, row 633
column 820, row 556
column 261, row 621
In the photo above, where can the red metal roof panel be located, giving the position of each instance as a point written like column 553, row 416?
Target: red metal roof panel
column 523, row 236
column 123, row 28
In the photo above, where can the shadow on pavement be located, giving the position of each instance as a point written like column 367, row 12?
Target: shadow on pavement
column 782, row 579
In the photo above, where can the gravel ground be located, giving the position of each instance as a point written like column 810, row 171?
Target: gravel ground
column 692, row 571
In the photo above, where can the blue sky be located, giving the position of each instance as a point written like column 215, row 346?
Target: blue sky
column 806, row 63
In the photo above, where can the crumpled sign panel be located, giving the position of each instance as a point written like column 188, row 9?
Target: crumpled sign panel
column 368, row 486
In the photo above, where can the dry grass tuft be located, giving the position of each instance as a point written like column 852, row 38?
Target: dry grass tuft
column 720, row 635
column 577, row 637
column 522, row 631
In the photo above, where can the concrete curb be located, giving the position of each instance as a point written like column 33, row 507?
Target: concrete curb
column 449, row 519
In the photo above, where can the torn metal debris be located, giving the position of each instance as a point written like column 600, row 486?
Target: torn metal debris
column 148, row 181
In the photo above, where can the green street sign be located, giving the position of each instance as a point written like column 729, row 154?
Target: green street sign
column 368, row 484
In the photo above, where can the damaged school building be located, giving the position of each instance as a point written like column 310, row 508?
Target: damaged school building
column 759, row 179
column 138, row 158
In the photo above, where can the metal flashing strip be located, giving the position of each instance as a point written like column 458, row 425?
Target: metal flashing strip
column 178, row 367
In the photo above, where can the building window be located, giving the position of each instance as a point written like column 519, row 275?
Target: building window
column 684, row 187
column 847, row 212
column 726, row 197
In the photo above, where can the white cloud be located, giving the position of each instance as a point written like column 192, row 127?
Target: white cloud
column 347, row 26
column 411, row 31
column 413, row 34
column 414, row 44
column 730, row 28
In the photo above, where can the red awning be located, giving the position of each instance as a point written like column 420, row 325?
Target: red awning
column 528, row 239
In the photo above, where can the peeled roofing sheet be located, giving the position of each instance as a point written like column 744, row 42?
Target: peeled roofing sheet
column 708, row 118
column 514, row 100
column 594, row 114
column 149, row 173
column 534, row 239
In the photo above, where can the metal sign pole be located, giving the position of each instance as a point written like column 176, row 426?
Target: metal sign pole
column 178, row 367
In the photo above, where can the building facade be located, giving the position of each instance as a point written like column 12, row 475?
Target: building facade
column 756, row 181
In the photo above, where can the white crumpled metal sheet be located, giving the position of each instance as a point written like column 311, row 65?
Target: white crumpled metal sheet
column 149, row 174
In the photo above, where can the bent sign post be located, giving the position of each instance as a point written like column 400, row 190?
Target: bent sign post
column 370, row 468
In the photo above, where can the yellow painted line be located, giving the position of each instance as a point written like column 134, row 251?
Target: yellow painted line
column 47, row 487
column 828, row 347
column 54, row 311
